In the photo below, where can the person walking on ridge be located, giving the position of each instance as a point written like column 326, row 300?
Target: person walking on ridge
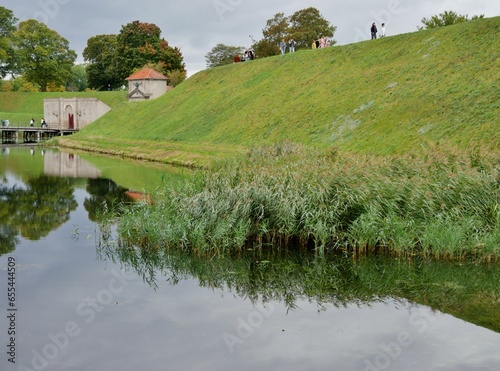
column 374, row 31
column 283, row 46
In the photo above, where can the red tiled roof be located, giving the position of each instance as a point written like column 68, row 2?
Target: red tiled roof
column 147, row 74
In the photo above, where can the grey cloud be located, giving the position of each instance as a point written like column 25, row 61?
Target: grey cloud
column 196, row 26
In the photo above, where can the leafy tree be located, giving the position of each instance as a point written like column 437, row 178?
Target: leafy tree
column 29, row 87
column 7, row 27
column 222, row 54
column 42, row 55
column 78, row 78
column 446, row 19
column 265, row 48
column 139, row 43
column 100, row 53
column 175, row 77
column 22, row 85
column 303, row 26
column 276, row 29
column 308, row 25
column 53, row 87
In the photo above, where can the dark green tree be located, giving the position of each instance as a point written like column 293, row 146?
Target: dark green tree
column 100, row 53
column 7, row 27
column 446, row 19
column 78, row 78
column 308, row 25
column 265, row 48
column 42, row 55
column 276, row 29
column 221, row 55
column 140, row 43
column 304, row 26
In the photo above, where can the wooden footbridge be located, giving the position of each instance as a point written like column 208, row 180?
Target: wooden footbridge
column 31, row 134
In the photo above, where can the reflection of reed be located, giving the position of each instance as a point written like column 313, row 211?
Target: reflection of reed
column 263, row 276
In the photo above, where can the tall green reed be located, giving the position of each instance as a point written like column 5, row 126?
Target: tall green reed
column 288, row 195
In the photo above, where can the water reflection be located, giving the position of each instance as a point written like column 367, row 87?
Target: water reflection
column 191, row 319
column 104, row 195
column 466, row 291
column 68, row 165
column 43, row 204
column 37, row 192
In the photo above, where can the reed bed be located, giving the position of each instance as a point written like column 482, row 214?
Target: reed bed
column 288, row 195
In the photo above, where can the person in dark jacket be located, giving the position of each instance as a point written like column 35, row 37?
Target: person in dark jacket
column 374, row 31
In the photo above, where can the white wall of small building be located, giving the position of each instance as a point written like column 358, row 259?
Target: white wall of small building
column 152, row 88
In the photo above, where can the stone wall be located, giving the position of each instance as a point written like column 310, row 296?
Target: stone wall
column 60, row 113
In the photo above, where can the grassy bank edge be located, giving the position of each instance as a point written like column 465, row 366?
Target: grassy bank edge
column 178, row 154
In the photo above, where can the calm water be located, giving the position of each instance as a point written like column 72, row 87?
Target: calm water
column 84, row 302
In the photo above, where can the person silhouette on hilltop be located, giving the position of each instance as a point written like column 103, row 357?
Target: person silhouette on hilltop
column 374, row 31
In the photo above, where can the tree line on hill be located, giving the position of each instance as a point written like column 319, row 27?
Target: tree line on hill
column 37, row 58
column 304, row 26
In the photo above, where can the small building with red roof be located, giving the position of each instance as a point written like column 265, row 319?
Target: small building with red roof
column 147, row 84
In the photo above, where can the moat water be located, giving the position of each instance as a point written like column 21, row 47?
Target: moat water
column 73, row 298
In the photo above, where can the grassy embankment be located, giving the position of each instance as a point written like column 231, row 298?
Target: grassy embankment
column 424, row 90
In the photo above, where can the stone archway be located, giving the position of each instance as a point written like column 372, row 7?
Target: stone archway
column 69, row 117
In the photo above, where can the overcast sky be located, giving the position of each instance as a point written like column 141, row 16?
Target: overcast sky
column 196, row 26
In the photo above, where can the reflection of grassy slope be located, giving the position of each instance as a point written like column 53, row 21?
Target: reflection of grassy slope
column 389, row 96
column 135, row 175
column 19, row 108
column 463, row 290
column 20, row 162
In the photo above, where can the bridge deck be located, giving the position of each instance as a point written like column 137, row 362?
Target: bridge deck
column 23, row 134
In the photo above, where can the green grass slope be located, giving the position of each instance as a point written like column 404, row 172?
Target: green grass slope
column 19, row 108
column 424, row 90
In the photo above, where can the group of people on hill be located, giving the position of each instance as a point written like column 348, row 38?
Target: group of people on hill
column 291, row 46
column 322, row 42
column 43, row 123
column 374, row 30
column 247, row 56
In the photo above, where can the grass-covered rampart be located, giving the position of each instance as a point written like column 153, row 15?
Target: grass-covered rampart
column 392, row 96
